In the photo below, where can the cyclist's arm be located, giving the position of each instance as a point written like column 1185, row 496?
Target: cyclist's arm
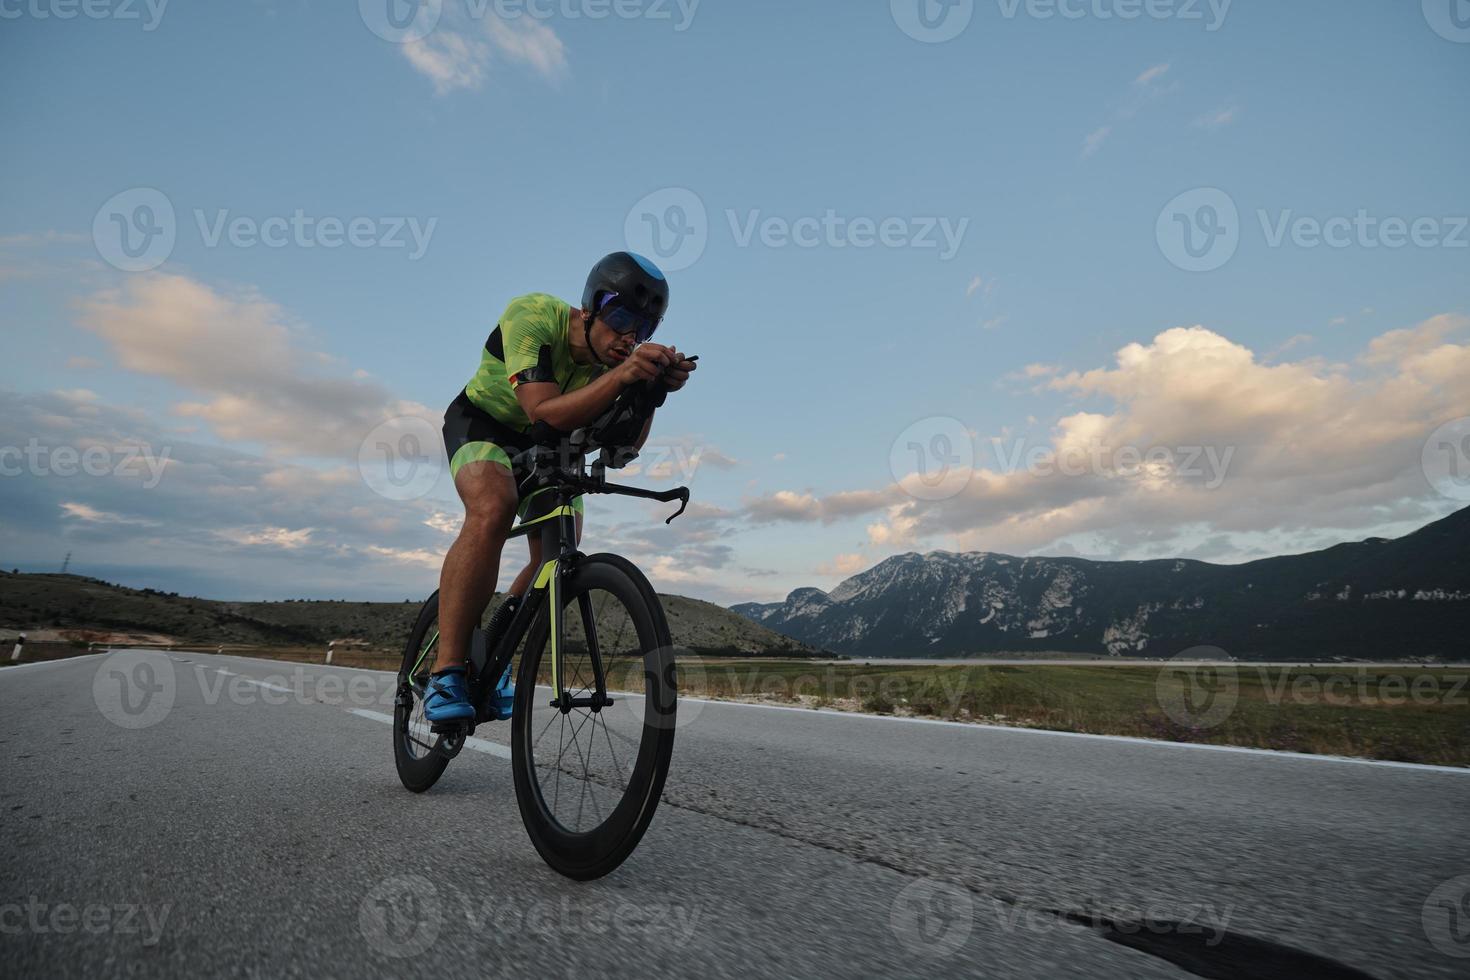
column 545, row 402
column 572, row 410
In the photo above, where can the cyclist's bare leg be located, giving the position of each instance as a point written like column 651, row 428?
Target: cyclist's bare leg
column 523, row 580
column 472, row 565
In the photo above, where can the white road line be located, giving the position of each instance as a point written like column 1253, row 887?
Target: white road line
column 972, row 726
column 478, row 744
column 47, row 663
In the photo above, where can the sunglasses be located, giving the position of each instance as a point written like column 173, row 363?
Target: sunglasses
column 625, row 321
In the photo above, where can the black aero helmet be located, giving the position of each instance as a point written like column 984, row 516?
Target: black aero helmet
column 639, row 284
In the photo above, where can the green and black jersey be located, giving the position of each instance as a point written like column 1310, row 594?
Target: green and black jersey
column 531, row 344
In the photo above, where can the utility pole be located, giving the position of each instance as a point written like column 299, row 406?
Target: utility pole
column 65, row 562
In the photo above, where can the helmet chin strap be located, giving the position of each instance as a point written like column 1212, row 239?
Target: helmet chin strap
column 587, row 334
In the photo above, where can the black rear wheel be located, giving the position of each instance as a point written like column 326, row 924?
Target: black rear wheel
column 588, row 778
column 415, row 747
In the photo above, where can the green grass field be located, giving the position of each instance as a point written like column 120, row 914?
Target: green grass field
column 1411, row 714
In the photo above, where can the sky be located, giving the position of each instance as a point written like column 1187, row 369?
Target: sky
column 1104, row 278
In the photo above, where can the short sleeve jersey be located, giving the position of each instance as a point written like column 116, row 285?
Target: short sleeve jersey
column 531, row 344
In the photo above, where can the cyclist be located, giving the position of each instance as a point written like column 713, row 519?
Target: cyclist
column 544, row 362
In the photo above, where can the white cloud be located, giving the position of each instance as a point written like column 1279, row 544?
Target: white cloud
column 1152, row 75
column 1286, row 451
column 461, row 52
column 1217, row 119
column 843, row 565
column 530, row 42
column 241, row 352
column 450, row 60
column 1095, row 140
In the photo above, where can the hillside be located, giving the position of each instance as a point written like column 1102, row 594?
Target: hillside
column 69, row 603
column 1378, row 598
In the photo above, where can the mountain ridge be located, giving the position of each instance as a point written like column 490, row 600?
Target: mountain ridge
column 1364, row 598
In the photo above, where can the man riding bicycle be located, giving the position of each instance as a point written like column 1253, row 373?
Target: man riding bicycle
column 546, row 363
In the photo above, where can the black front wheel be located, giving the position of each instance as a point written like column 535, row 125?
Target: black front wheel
column 588, row 775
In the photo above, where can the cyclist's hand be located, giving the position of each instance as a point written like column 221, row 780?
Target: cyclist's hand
column 677, row 373
column 645, row 363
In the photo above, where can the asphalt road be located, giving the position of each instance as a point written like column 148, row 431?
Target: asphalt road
column 185, row 815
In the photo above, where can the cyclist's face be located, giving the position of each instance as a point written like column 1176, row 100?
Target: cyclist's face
column 611, row 347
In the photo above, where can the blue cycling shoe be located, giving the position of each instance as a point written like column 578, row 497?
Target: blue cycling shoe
column 446, row 699
column 504, row 698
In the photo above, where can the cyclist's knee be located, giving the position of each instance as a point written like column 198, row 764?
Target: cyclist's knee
column 489, row 497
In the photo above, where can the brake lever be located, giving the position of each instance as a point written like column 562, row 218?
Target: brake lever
column 682, row 494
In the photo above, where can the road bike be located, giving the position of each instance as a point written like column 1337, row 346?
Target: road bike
column 593, row 718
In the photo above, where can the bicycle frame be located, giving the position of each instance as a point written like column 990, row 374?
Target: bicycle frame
column 558, row 533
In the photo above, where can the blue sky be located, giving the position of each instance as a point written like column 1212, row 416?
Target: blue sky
column 1055, row 315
